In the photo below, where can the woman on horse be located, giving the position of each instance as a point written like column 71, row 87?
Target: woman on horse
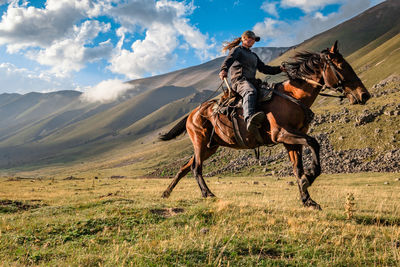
column 243, row 64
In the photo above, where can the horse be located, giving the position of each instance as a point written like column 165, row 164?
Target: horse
column 287, row 119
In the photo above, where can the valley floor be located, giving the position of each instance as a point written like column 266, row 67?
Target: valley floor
column 253, row 221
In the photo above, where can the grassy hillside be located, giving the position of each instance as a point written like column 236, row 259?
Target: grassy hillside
column 373, row 65
column 19, row 111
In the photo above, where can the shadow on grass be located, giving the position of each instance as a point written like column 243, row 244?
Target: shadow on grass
column 368, row 220
column 11, row 206
column 380, row 221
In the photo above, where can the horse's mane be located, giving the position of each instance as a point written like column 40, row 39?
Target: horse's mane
column 303, row 65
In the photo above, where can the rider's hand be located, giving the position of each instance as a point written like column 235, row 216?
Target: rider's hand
column 282, row 67
column 223, row 74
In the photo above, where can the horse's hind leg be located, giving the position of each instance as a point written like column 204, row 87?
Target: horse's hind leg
column 293, row 144
column 182, row 172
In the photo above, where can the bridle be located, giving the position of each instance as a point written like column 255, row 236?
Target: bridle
column 340, row 81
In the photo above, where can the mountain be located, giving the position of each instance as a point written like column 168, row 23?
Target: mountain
column 367, row 30
column 360, row 40
column 60, row 128
column 201, row 77
column 40, row 127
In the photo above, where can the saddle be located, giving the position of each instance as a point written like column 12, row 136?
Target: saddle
column 229, row 106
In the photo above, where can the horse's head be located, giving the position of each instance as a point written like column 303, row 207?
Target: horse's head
column 337, row 73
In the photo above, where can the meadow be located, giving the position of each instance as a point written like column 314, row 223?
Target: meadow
column 253, row 221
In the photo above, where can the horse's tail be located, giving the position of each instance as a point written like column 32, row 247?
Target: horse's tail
column 178, row 129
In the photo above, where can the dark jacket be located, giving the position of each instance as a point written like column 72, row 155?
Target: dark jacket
column 245, row 63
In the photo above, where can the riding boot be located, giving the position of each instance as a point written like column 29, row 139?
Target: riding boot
column 253, row 119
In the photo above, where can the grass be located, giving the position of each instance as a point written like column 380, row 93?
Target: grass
column 254, row 221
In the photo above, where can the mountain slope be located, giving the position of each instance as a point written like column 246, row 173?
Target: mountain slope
column 201, row 77
column 60, row 132
column 379, row 63
column 376, row 25
column 39, row 126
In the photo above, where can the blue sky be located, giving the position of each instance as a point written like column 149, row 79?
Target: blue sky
column 84, row 44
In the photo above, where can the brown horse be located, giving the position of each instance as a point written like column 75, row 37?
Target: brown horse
column 286, row 118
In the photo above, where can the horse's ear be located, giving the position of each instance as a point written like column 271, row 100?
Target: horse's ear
column 334, row 48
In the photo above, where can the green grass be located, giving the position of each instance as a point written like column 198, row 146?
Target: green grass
column 378, row 64
column 125, row 222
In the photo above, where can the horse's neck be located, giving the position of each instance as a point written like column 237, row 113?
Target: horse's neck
column 301, row 90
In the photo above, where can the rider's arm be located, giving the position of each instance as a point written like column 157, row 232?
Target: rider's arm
column 267, row 69
column 233, row 55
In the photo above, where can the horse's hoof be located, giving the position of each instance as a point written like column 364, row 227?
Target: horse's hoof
column 208, row 194
column 166, row 194
column 316, row 207
column 312, row 204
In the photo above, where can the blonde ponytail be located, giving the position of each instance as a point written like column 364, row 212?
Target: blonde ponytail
column 229, row 46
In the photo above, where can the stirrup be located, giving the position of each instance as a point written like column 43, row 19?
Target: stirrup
column 253, row 125
column 255, row 120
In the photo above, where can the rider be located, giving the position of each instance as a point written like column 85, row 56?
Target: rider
column 244, row 64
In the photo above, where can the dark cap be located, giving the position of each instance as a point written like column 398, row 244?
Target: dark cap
column 252, row 35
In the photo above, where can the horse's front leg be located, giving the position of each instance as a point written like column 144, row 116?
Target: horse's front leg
column 293, row 143
column 295, row 156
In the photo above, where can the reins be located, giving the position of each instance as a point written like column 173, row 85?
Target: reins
column 340, row 80
column 324, row 86
column 212, row 94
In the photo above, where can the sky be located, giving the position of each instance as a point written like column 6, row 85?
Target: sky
column 90, row 45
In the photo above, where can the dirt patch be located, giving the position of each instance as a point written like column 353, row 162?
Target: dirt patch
column 72, row 178
column 110, row 194
column 117, row 177
column 167, row 212
column 16, row 179
column 11, row 206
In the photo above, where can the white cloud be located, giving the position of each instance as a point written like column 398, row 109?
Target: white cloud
column 195, row 39
column 163, row 22
column 61, row 34
column 295, row 32
column 106, row 91
column 55, row 35
column 268, row 28
column 70, row 53
column 23, row 26
column 270, row 8
column 320, row 16
column 309, row 5
column 151, row 55
column 143, row 13
column 22, row 80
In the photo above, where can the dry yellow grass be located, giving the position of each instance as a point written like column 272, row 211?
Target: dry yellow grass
column 105, row 221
